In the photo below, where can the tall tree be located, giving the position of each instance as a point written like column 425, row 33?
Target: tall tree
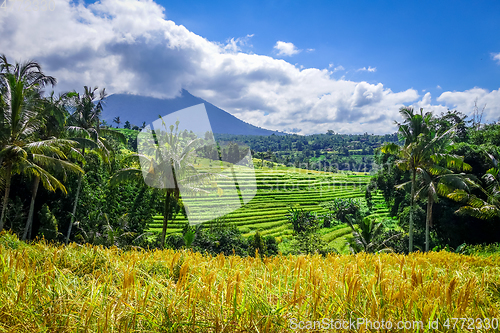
column 438, row 181
column 85, row 128
column 117, row 121
column 423, row 151
column 167, row 167
column 53, row 116
column 412, row 154
column 20, row 93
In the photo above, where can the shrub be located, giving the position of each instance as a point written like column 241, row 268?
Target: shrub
column 310, row 243
column 271, row 245
column 341, row 208
column 220, row 237
column 48, row 224
column 256, row 243
column 302, row 221
column 479, row 249
column 174, row 241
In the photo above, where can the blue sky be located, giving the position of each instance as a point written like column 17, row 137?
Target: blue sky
column 302, row 67
column 419, row 44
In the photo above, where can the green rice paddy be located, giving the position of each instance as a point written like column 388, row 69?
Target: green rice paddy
column 278, row 189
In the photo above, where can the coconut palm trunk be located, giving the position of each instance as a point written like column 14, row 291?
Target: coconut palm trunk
column 165, row 217
column 170, row 191
column 75, row 204
column 6, row 195
column 238, row 190
column 428, row 220
column 29, row 222
column 410, row 244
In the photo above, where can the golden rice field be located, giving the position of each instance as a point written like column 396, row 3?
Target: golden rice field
column 46, row 288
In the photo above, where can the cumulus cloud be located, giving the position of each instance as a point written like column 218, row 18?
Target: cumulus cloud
column 369, row 69
column 130, row 47
column 286, row 49
column 465, row 101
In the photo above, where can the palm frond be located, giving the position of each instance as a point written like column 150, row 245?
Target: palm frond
column 128, row 174
column 48, row 181
column 56, row 165
column 85, row 143
column 113, row 134
column 390, row 148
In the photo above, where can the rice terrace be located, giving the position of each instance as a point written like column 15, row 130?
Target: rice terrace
column 280, row 188
column 257, row 166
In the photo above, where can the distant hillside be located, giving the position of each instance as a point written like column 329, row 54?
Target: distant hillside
column 139, row 109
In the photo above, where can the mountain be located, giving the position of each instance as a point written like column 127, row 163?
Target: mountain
column 139, row 109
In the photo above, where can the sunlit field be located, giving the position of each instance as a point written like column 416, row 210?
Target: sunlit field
column 48, row 288
column 278, row 189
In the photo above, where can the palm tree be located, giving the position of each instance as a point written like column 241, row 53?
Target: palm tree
column 53, row 120
column 423, row 150
column 412, row 155
column 478, row 207
column 53, row 160
column 85, row 128
column 367, row 236
column 20, row 86
column 117, row 121
column 439, row 181
column 169, row 170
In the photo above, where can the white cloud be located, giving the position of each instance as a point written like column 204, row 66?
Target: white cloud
column 286, row 49
column 310, row 50
column 464, row 101
column 234, row 45
column 129, row 46
column 496, row 57
column 438, row 87
column 336, row 69
column 369, row 69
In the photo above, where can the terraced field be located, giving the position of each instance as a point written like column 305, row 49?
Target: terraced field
column 277, row 190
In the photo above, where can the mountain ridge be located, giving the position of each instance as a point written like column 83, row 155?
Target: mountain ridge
column 138, row 109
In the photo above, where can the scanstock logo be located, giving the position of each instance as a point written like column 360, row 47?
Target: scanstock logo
column 179, row 154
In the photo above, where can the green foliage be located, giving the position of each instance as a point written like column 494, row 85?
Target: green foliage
column 99, row 230
column 479, row 249
column 328, row 219
column 175, row 241
column 475, row 206
column 220, row 236
column 11, row 241
column 327, row 152
column 15, row 215
column 257, row 245
column 368, row 235
column 302, row 221
column 271, row 245
column 341, row 208
column 48, row 224
column 309, row 243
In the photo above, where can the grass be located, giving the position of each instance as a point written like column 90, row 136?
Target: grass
column 48, row 288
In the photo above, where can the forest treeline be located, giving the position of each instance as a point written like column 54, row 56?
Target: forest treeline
column 323, row 152
column 67, row 176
